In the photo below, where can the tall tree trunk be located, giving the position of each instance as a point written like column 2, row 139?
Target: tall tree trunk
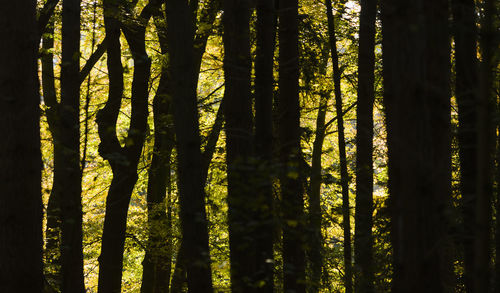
column 466, row 91
column 290, row 150
column 189, row 158
column 205, row 24
column 264, row 84
column 363, row 238
column 416, row 73
column 239, row 143
column 70, row 184
column 497, row 205
column 315, row 215
column 157, row 261
column 485, row 147
column 344, row 176
column 20, row 158
column 52, row 260
column 123, row 160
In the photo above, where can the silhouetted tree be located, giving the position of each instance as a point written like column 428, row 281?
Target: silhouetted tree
column 416, row 59
column 20, row 157
column 363, row 238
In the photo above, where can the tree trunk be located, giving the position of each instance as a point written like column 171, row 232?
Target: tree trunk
column 52, row 254
column 485, row 147
column 207, row 19
column 290, row 150
column 363, row 238
column 189, row 158
column 264, row 84
column 123, row 160
column 157, row 263
column 466, row 91
column 344, row 176
column 179, row 277
column 417, row 102
column 70, row 184
column 20, row 159
column 238, row 113
column 157, row 260
column 315, row 215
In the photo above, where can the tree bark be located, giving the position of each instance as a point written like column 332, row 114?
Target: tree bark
column 466, row 91
column 68, row 137
column 20, row 158
column 363, row 238
column 186, row 123
column 207, row 18
column 52, row 264
column 315, row 214
column 123, row 160
column 344, row 176
column 290, row 150
column 239, row 145
column 416, row 73
column 157, row 263
column 485, row 147
column 264, row 84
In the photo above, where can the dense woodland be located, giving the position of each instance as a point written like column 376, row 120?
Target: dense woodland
column 292, row 146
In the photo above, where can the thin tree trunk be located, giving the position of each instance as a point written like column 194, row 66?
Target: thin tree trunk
column 123, row 160
column 485, row 147
column 417, row 101
column 21, row 268
column 363, row 238
column 69, row 140
column 157, row 263
column 497, row 206
column 189, row 158
column 496, row 86
column 53, row 214
column 315, row 215
column 466, row 91
column 264, row 84
column 344, row 176
column 290, row 150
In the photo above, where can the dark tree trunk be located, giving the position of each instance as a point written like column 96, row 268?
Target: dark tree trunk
column 157, row 261
column 363, row 238
column 52, row 260
column 466, row 91
column 290, row 150
column 44, row 16
column 68, row 138
column 189, row 158
column 179, row 277
column 264, row 84
column 344, row 176
column 496, row 86
column 207, row 19
column 20, row 158
column 416, row 73
column 123, row 160
column 242, row 205
column 315, row 215
column 485, row 147
column 497, row 205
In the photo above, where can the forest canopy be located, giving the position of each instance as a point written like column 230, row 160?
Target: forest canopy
column 164, row 146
